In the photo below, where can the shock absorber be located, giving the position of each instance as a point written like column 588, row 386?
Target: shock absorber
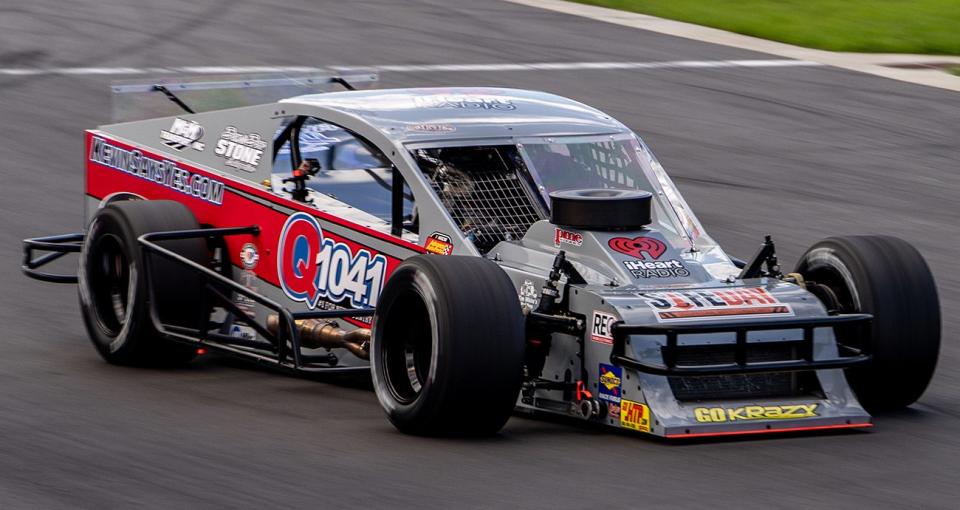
column 549, row 294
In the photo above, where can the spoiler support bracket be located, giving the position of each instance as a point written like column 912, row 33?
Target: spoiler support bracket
column 173, row 97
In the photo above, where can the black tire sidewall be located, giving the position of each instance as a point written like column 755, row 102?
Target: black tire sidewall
column 890, row 280
column 413, row 278
column 119, row 347
column 476, row 329
column 176, row 289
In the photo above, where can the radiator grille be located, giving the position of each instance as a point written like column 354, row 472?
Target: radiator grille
column 739, row 386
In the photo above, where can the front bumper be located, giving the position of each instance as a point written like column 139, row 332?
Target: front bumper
column 730, row 396
column 670, row 367
column 55, row 247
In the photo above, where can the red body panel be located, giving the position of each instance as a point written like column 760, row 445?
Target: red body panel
column 237, row 209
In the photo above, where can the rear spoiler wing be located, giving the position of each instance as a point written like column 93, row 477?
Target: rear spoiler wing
column 162, row 97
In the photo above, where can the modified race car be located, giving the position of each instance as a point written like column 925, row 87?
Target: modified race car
column 478, row 251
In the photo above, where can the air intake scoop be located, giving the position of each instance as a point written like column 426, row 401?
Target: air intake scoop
column 601, row 209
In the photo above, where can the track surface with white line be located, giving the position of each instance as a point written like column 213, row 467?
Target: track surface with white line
column 797, row 151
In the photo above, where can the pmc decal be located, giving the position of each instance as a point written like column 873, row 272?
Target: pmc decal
column 312, row 267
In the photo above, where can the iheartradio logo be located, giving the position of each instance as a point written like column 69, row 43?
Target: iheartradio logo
column 640, row 247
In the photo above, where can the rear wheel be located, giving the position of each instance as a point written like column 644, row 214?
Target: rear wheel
column 448, row 346
column 888, row 278
column 113, row 293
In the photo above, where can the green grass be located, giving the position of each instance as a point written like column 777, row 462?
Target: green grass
column 956, row 71
column 872, row 26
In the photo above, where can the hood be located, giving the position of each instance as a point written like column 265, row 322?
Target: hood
column 641, row 258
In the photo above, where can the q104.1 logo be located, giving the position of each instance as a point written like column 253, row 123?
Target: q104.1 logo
column 313, row 267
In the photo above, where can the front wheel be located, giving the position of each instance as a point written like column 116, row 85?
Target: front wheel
column 448, row 345
column 888, row 278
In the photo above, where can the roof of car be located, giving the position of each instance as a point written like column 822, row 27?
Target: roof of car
column 420, row 114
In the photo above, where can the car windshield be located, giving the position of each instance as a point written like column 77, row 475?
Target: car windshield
column 564, row 164
column 495, row 192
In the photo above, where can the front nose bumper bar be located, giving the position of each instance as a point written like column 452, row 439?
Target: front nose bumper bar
column 846, row 322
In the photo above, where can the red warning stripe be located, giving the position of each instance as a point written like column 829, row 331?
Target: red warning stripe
column 771, row 431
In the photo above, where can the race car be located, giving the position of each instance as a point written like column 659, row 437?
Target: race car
column 479, row 251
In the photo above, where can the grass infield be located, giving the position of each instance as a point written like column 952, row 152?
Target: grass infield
column 870, row 26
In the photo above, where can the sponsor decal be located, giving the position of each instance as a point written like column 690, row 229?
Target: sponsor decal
column 249, row 256
column 326, row 305
column 715, row 304
column 634, row 415
column 610, row 379
column 656, row 269
column 613, row 410
column 240, row 151
column 646, row 252
column 601, row 332
column 465, row 102
column 243, row 302
column 431, row 128
column 439, row 243
column 746, row 413
column 567, row 237
column 529, row 296
column 244, row 332
column 247, row 278
column 160, row 171
column 641, row 247
column 182, row 134
column 314, row 267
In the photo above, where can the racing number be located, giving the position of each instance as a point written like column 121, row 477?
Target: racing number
column 341, row 274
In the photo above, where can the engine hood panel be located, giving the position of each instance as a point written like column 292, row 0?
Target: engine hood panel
column 641, row 259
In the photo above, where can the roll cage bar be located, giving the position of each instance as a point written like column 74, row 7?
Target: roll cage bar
column 291, row 134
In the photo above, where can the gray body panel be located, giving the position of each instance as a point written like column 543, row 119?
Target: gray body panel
column 669, row 417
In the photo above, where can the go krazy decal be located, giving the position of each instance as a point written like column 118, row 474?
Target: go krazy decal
column 312, row 267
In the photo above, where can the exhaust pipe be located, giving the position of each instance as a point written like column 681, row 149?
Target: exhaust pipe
column 316, row 334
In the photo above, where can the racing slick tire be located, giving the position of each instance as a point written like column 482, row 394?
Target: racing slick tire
column 447, row 346
column 113, row 292
column 888, row 278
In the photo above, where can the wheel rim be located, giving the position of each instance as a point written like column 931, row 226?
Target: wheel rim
column 109, row 283
column 830, row 285
column 408, row 352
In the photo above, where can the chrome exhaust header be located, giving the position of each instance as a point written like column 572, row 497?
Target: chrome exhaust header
column 321, row 334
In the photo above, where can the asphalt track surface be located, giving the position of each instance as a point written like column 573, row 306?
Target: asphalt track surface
column 801, row 153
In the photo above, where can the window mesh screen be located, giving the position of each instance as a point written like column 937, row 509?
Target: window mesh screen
column 483, row 191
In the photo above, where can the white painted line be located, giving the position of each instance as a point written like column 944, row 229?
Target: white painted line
column 409, row 68
column 100, row 70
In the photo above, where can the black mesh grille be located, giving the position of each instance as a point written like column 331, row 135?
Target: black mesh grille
column 482, row 190
column 766, row 385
